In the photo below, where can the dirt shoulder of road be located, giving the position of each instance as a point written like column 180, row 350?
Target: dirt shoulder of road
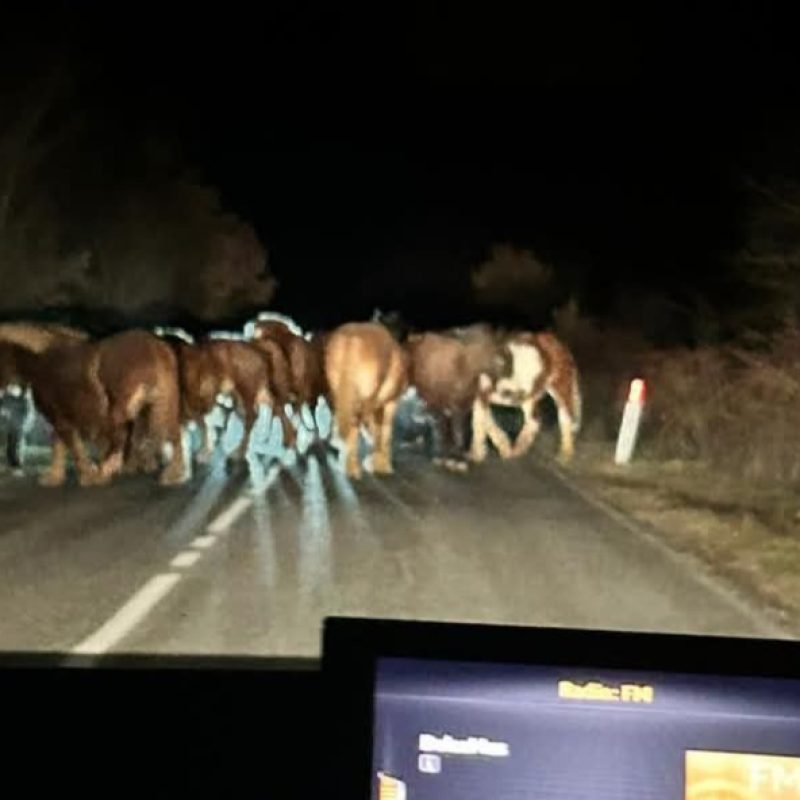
column 748, row 535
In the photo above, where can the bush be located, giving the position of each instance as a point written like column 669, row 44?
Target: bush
column 738, row 410
column 608, row 358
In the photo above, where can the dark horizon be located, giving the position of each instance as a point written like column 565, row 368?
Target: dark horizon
column 380, row 158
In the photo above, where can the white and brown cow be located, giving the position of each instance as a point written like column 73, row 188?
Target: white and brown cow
column 541, row 364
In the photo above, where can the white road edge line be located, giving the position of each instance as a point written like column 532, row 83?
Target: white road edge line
column 701, row 572
column 226, row 519
column 128, row 616
column 188, row 558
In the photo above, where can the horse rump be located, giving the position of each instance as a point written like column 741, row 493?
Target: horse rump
column 139, row 374
column 366, row 372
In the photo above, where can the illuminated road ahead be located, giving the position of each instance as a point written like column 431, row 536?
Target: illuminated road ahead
column 213, row 567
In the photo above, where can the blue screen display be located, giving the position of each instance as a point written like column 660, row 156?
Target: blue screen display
column 466, row 731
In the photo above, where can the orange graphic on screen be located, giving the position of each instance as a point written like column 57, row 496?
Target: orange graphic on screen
column 390, row 788
column 741, row 776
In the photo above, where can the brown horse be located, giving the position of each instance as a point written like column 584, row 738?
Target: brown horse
column 95, row 391
column 366, row 370
column 179, row 338
column 542, row 364
column 216, row 367
column 446, row 368
column 280, row 384
column 305, row 359
column 35, row 338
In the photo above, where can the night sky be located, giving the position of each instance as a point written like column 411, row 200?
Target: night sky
column 379, row 149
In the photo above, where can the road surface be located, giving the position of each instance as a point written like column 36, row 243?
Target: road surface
column 219, row 566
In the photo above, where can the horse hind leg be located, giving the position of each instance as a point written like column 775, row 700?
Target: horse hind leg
column 352, row 459
column 166, row 427
column 114, row 460
column 68, row 440
column 56, row 473
column 123, row 410
column 497, row 436
column 478, row 449
column 304, row 413
column 250, row 415
column 321, row 443
column 371, row 431
column 347, row 432
column 566, row 424
column 87, row 471
column 440, row 438
column 456, row 460
column 382, row 461
column 529, row 430
column 132, row 451
column 141, row 452
column 289, row 431
column 210, row 436
column 483, row 427
column 207, row 442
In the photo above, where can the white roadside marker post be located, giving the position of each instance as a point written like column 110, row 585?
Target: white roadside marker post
column 631, row 417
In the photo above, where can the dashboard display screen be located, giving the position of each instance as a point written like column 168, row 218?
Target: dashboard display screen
column 468, row 731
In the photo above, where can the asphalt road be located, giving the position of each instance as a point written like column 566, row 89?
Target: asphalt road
column 223, row 566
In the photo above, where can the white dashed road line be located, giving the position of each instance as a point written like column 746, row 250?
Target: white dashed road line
column 129, row 616
column 226, row 519
column 136, row 609
column 186, row 559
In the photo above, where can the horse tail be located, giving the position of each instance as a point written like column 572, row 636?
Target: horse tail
column 174, row 354
column 346, row 410
column 177, row 364
column 341, row 382
column 280, row 378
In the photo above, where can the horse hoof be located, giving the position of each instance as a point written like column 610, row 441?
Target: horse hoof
column 95, row 479
column 381, row 465
column 168, row 479
column 151, row 467
column 354, row 473
column 232, row 467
